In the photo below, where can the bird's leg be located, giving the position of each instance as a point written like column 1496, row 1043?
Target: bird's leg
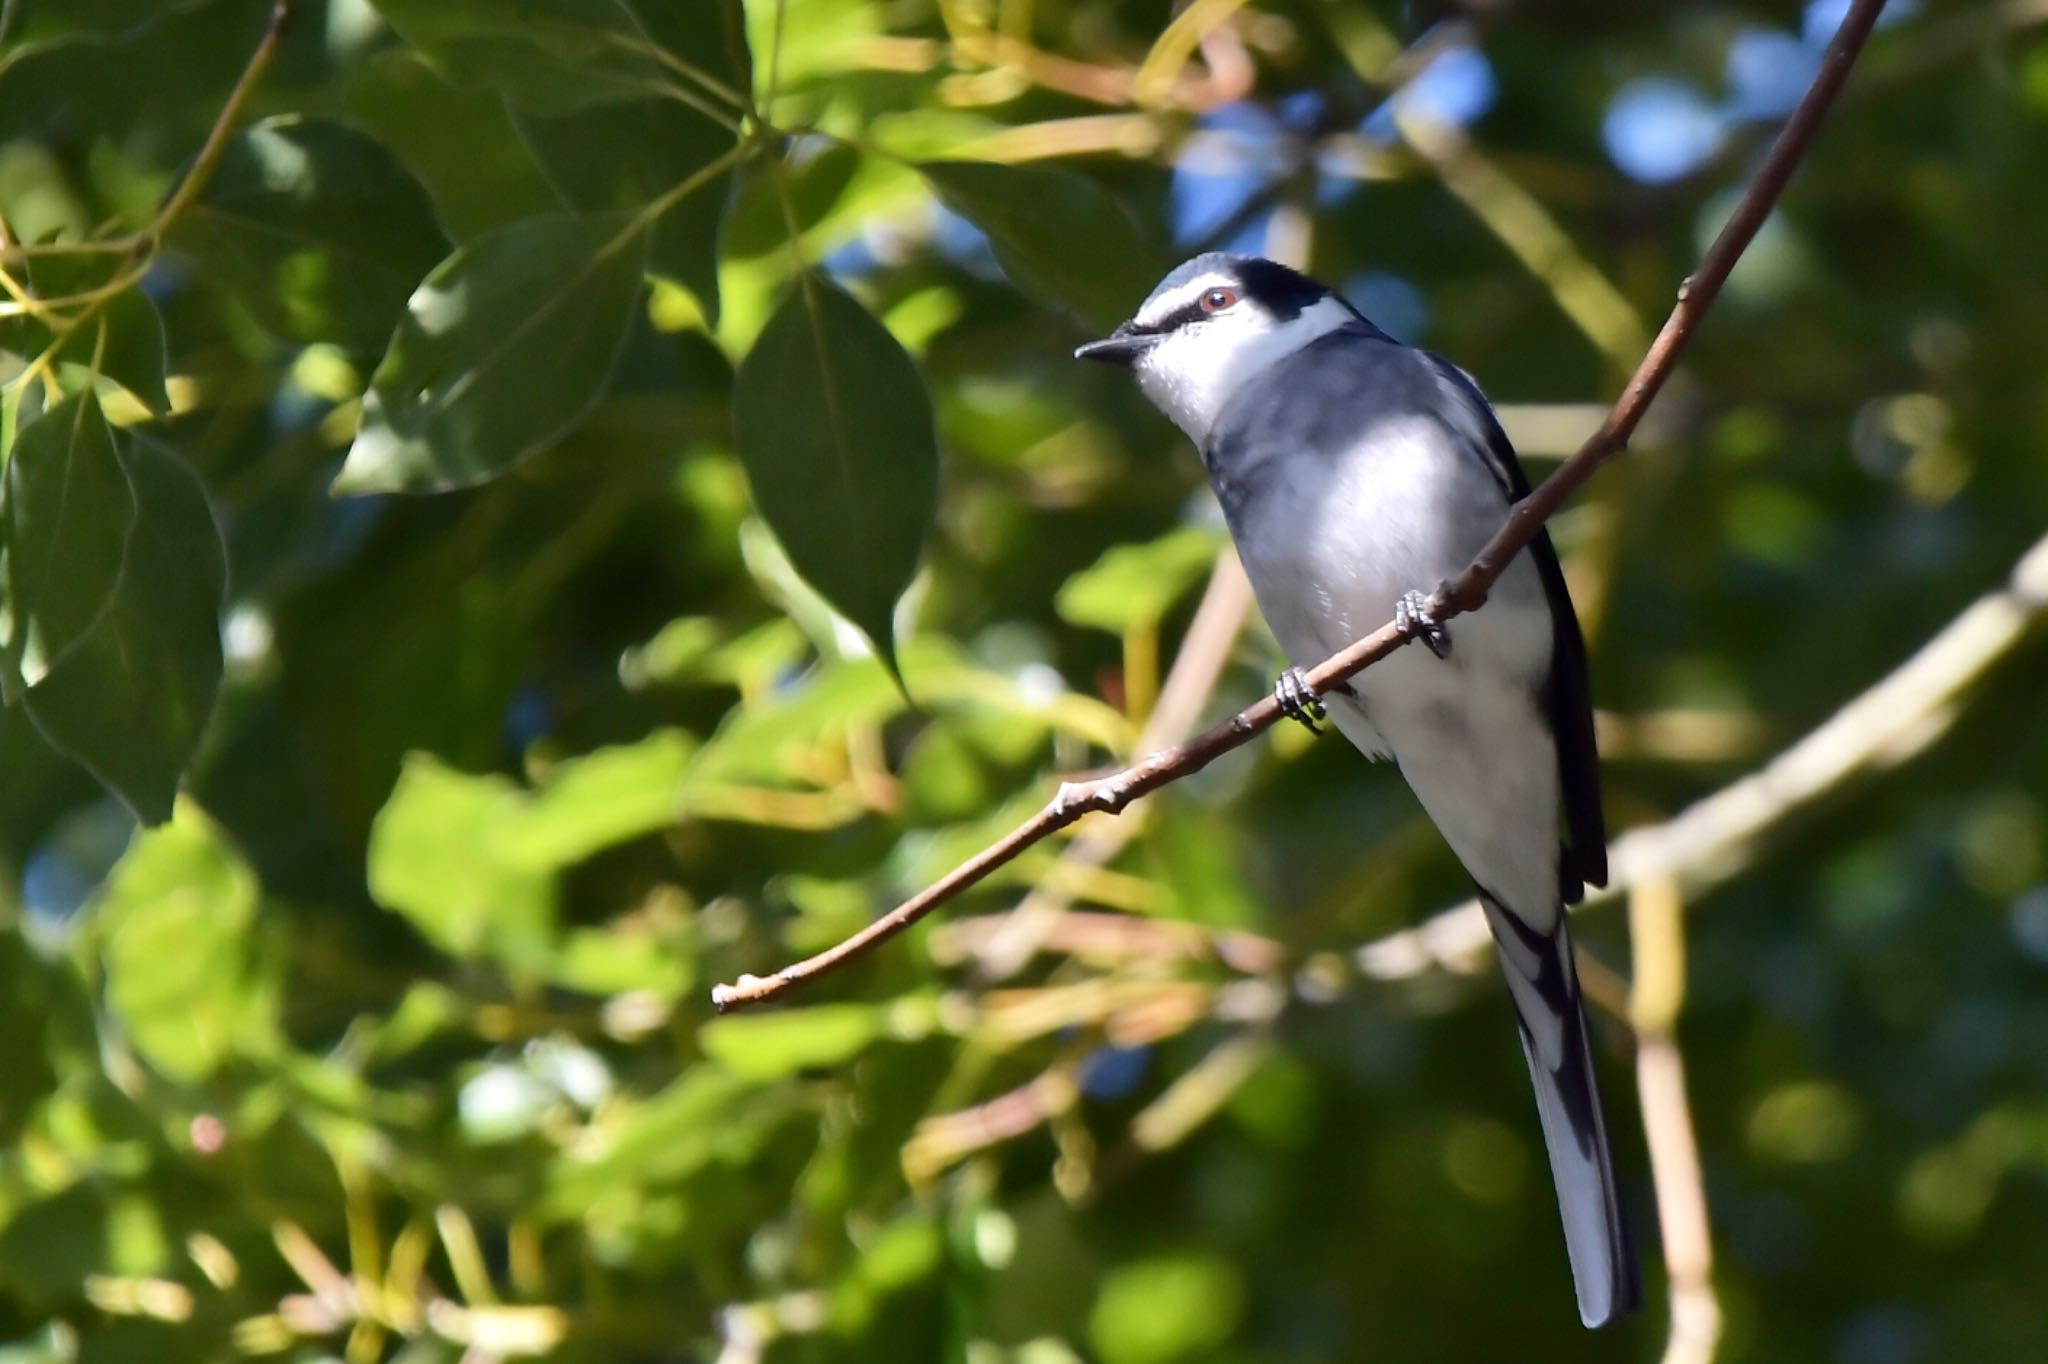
column 1298, row 700
column 1412, row 615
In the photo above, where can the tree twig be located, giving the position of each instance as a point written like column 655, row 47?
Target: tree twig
column 193, row 182
column 1467, row 592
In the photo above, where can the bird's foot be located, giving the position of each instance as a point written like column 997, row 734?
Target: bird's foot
column 1298, row 700
column 1412, row 615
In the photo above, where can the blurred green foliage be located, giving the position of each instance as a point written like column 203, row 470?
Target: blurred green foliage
column 369, row 855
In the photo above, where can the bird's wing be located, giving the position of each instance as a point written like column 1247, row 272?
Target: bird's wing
column 1567, row 694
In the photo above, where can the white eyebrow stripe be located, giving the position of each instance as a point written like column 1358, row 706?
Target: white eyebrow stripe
column 1169, row 304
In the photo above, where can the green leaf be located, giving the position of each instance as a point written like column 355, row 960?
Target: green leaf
column 121, row 339
column 614, row 962
column 472, row 860
column 1168, row 1308
column 552, row 56
column 603, row 799
column 1135, row 585
column 1058, row 235
column 316, row 229
column 769, row 1046
column 708, row 35
column 833, row 423
column 436, row 857
column 504, row 348
column 66, row 510
column 618, row 156
column 49, row 20
column 132, row 699
column 174, row 931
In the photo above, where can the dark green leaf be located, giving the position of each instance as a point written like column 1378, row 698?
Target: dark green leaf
column 617, row 156
column 316, row 229
column 757, row 221
column 551, row 56
column 708, row 35
column 1060, row 238
column 834, row 425
column 505, row 347
column 131, row 700
column 45, row 20
column 121, row 339
column 68, row 510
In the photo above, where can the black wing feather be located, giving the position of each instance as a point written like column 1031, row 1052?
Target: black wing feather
column 1568, row 693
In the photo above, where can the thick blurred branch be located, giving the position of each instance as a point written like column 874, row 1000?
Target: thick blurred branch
column 1467, row 592
column 1657, row 930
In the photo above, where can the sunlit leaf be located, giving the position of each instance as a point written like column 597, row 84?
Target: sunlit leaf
column 175, row 932
column 605, row 798
column 669, row 1136
column 66, row 509
column 316, row 229
column 472, row 860
column 1169, row 1308
column 615, row 961
column 504, row 348
column 768, row 1046
column 1134, row 585
column 1057, row 234
column 132, row 699
column 833, row 422
column 435, row 858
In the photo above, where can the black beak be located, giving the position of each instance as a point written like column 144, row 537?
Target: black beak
column 1123, row 346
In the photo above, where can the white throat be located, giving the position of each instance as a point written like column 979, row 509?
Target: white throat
column 1197, row 369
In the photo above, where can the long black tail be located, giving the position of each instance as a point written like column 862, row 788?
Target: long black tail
column 1545, row 986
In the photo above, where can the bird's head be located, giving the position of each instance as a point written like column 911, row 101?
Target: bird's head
column 1212, row 326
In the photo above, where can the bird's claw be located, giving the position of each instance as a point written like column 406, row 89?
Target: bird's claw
column 1298, row 700
column 1413, row 616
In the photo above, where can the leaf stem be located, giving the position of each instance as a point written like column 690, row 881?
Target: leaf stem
column 143, row 245
column 674, row 195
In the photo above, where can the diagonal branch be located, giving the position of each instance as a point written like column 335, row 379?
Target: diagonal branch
column 1720, row 835
column 1467, row 592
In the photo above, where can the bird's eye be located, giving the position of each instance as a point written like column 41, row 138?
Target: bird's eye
column 1216, row 300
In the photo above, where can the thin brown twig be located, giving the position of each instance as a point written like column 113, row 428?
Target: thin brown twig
column 1467, row 592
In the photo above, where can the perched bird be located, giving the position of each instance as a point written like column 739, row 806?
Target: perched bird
column 1357, row 474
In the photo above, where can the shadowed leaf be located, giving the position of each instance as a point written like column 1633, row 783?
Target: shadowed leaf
column 121, row 339
column 504, row 348
column 131, row 700
column 316, row 229
column 68, row 510
column 551, row 56
column 620, row 156
column 834, row 425
column 1059, row 237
